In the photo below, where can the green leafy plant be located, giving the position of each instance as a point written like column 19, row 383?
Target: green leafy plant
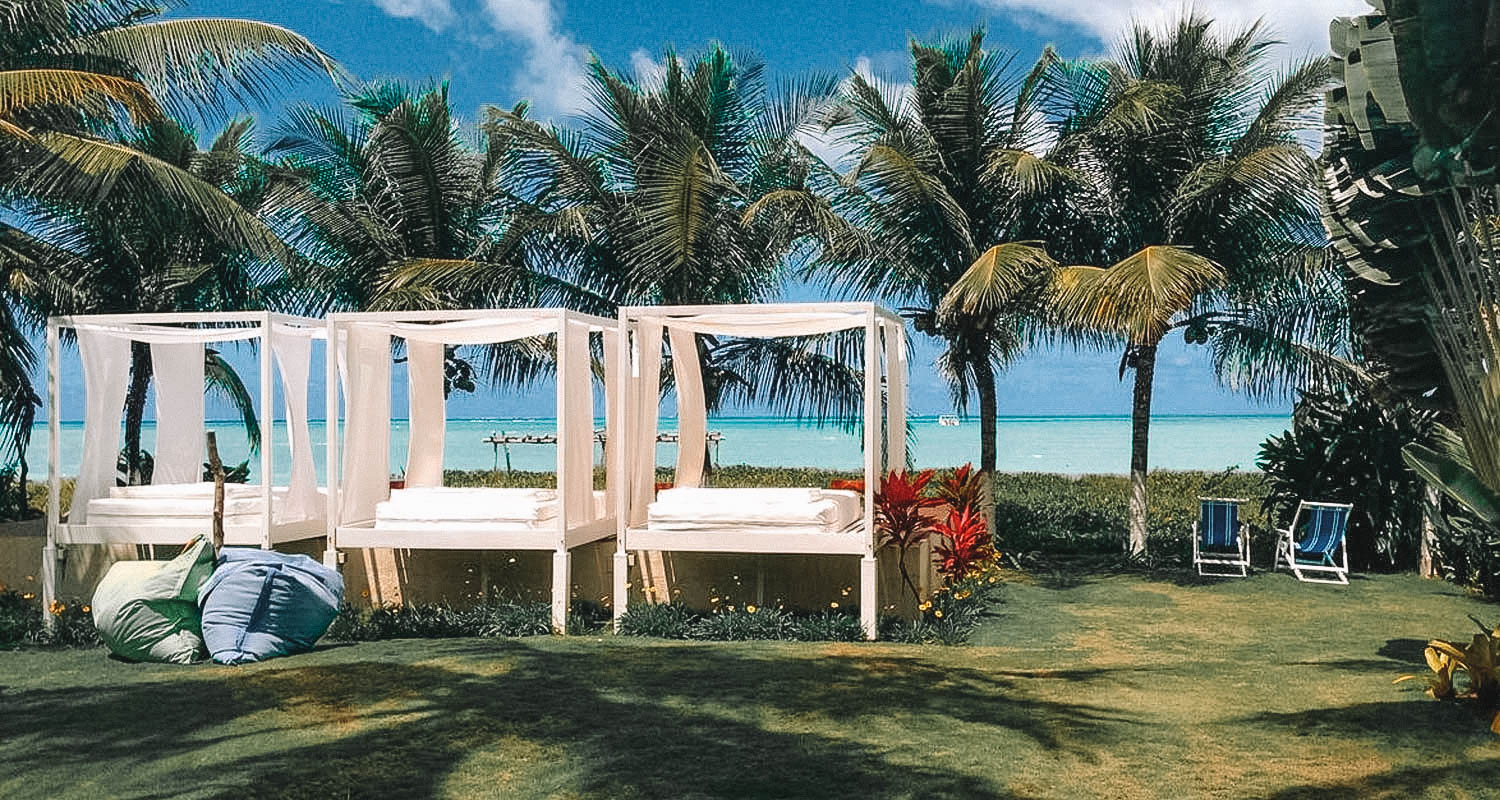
column 899, row 519
column 1347, row 448
column 1466, row 671
column 662, row 620
column 21, row 622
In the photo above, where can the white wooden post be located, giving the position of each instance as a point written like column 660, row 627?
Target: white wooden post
column 267, row 429
column 54, row 480
column 618, row 430
column 561, row 579
column 868, row 610
column 331, row 445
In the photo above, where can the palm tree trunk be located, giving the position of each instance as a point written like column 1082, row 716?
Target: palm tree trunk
column 984, row 378
column 135, row 408
column 1140, row 431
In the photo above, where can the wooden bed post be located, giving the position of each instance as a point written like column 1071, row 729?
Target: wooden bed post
column 616, row 425
column 331, row 443
column 54, row 480
column 267, row 429
column 868, row 600
column 561, row 573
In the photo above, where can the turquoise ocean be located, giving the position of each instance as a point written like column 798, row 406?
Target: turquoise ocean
column 1074, row 445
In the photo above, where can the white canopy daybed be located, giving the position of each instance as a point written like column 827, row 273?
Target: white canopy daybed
column 367, row 513
column 178, row 504
column 691, row 518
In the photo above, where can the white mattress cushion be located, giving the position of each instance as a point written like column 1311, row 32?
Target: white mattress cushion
column 138, row 504
column 438, row 505
column 828, row 510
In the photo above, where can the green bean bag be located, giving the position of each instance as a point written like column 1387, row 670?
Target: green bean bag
column 148, row 610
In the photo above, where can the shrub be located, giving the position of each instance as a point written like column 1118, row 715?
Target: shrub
column 662, row 620
column 21, row 622
column 1468, row 551
column 441, row 621
column 1086, row 515
column 964, row 544
column 742, row 624
column 827, row 626
column 1347, row 449
column 899, row 519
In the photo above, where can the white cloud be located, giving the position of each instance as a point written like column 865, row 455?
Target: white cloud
column 1302, row 24
column 551, row 74
column 435, row 14
column 647, row 70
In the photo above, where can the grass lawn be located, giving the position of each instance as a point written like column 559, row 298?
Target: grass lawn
column 1102, row 686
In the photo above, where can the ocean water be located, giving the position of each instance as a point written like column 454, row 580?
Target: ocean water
column 1032, row 444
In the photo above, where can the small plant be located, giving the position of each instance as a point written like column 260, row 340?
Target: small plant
column 827, row 626
column 964, row 545
column 963, row 489
column 662, row 620
column 21, row 622
column 1479, row 661
column 899, row 518
column 742, row 625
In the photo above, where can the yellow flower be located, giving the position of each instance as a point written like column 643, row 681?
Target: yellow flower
column 938, row 613
column 57, row 608
column 87, row 610
column 834, row 604
column 925, row 605
column 27, row 596
column 963, row 595
column 750, row 609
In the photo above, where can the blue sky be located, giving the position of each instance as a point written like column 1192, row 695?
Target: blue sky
column 496, row 52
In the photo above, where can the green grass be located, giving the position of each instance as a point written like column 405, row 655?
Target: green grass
column 1076, row 686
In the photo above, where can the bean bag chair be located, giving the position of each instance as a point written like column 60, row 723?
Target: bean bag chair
column 148, row 610
column 261, row 604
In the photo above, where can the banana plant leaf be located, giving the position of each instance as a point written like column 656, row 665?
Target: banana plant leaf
column 1454, row 479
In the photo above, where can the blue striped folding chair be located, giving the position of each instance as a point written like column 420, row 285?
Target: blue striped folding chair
column 1221, row 543
column 1320, row 555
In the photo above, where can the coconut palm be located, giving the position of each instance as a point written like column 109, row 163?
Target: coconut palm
column 141, row 254
column 952, row 185
column 77, row 79
column 1209, row 213
column 649, row 201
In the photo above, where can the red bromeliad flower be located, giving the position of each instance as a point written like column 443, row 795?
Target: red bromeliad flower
column 899, row 518
column 964, row 543
column 963, row 488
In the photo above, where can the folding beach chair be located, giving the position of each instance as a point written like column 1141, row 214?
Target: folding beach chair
column 1221, row 543
column 1321, row 553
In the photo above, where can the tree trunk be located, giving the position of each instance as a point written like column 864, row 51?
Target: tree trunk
column 1426, row 563
column 135, row 408
column 984, row 379
column 1140, row 431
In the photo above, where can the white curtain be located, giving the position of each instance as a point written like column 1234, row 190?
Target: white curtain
column 178, row 371
column 575, row 423
column 367, row 423
column 895, row 401
column 645, row 396
column 293, row 355
column 106, row 376
column 692, row 414
column 612, row 416
column 428, row 414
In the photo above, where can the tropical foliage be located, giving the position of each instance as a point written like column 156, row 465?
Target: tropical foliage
column 1206, row 209
column 1478, row 664
column 900, row 521
column 87, row 92
column 1347, row 449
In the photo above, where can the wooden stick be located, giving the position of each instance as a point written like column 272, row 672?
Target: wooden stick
column 217, row 468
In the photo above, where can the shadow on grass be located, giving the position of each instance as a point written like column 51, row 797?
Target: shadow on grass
column 611, row 721
column 1481, row 777
column 1397, row 723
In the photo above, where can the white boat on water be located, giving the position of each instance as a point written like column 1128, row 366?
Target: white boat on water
column 948, row 420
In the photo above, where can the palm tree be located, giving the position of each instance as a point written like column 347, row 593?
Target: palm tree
column 944, row 172
column 142, row 254
column 654, row 200
column 1208, row 204
column 77, row 77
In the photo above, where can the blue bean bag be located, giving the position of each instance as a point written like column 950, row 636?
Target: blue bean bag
column 262, row 604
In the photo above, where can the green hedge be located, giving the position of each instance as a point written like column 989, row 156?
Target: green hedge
column 1089, row 514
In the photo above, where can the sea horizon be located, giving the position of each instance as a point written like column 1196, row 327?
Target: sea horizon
column 1065, row 444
